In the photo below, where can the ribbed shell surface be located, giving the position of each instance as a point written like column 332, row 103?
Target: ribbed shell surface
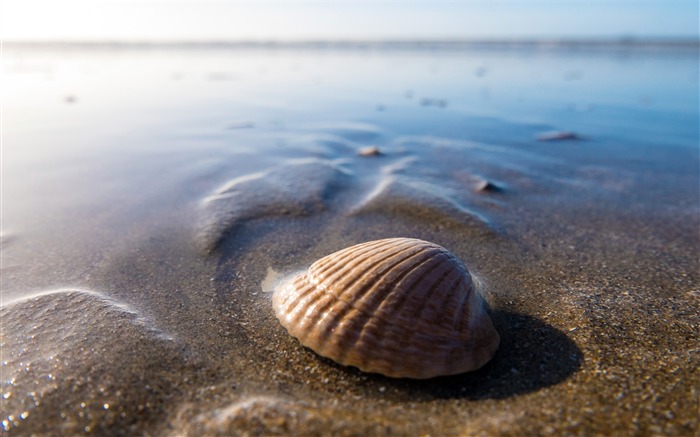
column 400, row 307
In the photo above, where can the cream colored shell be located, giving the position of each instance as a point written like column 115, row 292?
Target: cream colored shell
column 400, row 307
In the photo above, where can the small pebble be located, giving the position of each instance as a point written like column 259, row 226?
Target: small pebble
column 369, row 151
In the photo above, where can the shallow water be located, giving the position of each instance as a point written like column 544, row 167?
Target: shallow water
column 147, row 193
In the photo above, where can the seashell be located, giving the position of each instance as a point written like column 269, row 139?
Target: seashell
column 401, row 307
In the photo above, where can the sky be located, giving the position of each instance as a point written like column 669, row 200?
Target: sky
column 283, row 20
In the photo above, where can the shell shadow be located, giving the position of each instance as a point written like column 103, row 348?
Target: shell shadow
column 532, row 355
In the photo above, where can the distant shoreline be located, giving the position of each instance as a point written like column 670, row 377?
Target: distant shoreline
column 475, row 44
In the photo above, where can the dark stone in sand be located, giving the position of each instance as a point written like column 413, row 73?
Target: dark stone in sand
column 484, row 185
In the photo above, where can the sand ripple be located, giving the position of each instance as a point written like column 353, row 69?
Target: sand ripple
column 257, row 416
column 298, row 188
column 400, row 186
column 273, row 416
column 86, row 358
column 406, row 197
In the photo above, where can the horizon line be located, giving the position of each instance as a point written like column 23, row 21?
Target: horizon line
column 672, row 40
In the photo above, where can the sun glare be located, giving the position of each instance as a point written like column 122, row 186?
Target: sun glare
column 282, row 20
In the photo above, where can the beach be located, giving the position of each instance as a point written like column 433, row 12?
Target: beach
column 153, row 195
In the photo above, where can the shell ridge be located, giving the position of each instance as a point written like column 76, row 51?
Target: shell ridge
column 349, row 305
column 371, row 312
column 463, row 312
column 294, row 317
column 303, row 286
column 348, row 336
column 419, row 280
column 282, row 296
column 474, row 309
column 331, row 262
column 297, row 284
column 304, row 283
column 310, row 301
column 453, row 300
column 367, row 271
column 448, row 365
column 321, row 304
column 419, row 312
column 483, row 341
column 400, row 302
column 372, row 287
column 342, row 267
column 328, row 302
column 411, row 330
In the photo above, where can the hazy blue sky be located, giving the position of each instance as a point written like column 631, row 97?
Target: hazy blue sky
column 206, row 20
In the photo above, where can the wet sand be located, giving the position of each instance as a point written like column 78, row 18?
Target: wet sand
column 134, row 259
